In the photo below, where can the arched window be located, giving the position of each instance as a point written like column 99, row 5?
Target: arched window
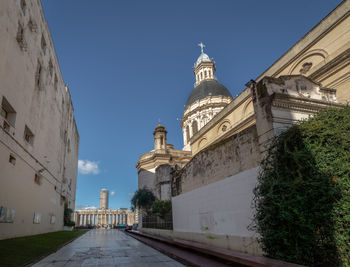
column 161, row 140
column 201, row 75
column 205, row 74
column 197, row 77
column 194, row 127
column 209, row 73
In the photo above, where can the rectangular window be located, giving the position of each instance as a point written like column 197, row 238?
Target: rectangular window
column 12, row 160
column 28, row 135
column 32, row 25
column 56, row 82
column 50, row 68
column 37, row 178
column 38, row 75
column 23, row 6
column 20, row 38
column 8, row 113
column 37, row 218
column 43, row 44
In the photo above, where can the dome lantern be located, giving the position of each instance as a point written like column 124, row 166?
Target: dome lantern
column 204, row 67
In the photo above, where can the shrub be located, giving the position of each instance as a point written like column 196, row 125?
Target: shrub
column 302, row 198
column 161, row 208
column 67, row 216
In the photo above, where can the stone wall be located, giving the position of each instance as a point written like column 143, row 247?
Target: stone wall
column 220, row 160
column 163, row 181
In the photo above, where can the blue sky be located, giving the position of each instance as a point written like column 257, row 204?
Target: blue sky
column 129, row 63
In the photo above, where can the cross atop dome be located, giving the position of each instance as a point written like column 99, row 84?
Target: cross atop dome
column 201, row 45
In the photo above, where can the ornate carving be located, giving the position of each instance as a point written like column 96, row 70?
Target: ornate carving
column 305, row 68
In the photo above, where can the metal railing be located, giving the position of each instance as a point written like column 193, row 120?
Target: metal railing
column 154, row 221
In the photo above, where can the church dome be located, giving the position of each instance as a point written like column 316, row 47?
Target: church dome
column 202, row 58
column 207, row 88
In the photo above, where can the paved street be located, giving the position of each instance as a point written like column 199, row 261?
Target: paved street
column 107, row 248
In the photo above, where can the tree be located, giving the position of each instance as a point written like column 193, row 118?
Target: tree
column 143, row 198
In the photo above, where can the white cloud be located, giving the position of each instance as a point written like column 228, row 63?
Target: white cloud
column 131, row 194
column 112, row 193
column 88, row 167
column 91, row 208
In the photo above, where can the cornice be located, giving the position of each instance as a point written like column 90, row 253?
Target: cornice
column 202, row 108
column 287, row 102
column 241, row 98
column 180, row 155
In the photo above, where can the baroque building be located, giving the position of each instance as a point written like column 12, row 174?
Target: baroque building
column 212, row 193
column 39, row 140
column 104, row 217
column 162, row 156
column 207, row 99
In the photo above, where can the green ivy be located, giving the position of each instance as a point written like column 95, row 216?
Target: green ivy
column 302, row 198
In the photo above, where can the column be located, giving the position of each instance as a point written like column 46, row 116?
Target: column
column 126, row 219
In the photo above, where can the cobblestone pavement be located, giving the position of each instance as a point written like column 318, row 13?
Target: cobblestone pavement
column 103, row 247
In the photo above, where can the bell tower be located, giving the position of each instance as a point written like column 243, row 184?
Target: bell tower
column 160, row 138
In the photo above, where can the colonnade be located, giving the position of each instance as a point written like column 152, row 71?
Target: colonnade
column 103, row 218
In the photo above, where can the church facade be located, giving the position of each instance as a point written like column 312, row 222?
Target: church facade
column 227, row 137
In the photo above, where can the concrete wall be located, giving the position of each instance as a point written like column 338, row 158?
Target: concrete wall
column 217, row 214
column 222, row 207
column 42, row 103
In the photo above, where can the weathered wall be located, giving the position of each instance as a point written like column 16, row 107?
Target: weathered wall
column 220, row 210
column 220, row 160
column 42, row 103
column 147, row 179
column 163, row 181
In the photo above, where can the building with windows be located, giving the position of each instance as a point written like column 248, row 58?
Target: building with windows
column 104, row 217
column 39, row 140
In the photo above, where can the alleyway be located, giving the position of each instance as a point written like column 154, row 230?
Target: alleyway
column 107, row 248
